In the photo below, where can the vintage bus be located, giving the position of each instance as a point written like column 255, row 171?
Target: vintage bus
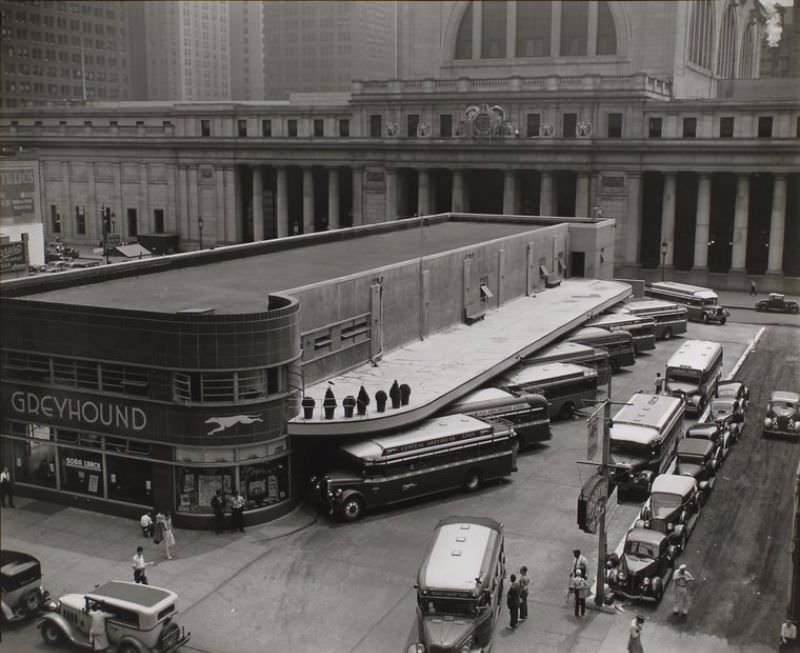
column 670, row 318
column 575, row 352
column 643, row 440
column 527, row 413
column 564, row 385
column 693, row 373
column 460, row 586
column 440, row 454
column 641, row 328
column 702, row 303
column 618, row 344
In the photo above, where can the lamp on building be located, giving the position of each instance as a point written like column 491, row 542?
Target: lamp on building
column 200, row 228
column 597, row 212
column 664, row 247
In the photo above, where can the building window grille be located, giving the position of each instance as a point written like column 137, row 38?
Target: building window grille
column 375, row 126
column 765, row 126
column 570, row 125
column 726, row 127
column 80, row 220
column 445, row 125
column 413, row 125
column 292, row 128
column 654, row 127
column 689, row 127
column 615, row 125
column 266, row 128
column 241, row 127
column 55, row 219
column 319, row 128
column 158, row 221
column 205, row 128
column 344, row 127
column 533, row 125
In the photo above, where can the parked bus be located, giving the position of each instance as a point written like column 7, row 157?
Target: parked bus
column 618, row 344
column 693, row 373
column 440, row 454
column 564, row 385
column 702, row 303
column 575, row 352
column 644, row 438
column 642, row 329
column 670, row 318
column 526, row 413
column 460, row 586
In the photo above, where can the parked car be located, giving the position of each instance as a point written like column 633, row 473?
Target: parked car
column 141, row 618
column 728, row 412
column 734, row 390
column 699, row 459
column 777, row 302
column 783, row 414
column 714, row 432
column 20, row 586
column 672, row 508
column 645, row 568
column 60, row 252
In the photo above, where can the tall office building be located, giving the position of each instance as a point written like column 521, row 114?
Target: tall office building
column 247, row 50
column 58, row 51
column 322, row 46
column 188, row 55
column 783, row 59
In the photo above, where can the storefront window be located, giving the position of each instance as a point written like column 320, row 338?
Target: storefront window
column 196, row 486
column 81, row 471
column 35, row 460
column 264, row 484
column 130, row 480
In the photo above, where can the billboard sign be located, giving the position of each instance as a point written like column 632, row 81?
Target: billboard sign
column 18, row 195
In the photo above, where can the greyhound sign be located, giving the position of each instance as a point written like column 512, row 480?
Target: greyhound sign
column 224, row 423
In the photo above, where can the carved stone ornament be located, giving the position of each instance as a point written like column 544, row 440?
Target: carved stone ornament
column 484, row 121
column 392, row 129
column 547, row 129
column 423, row 129
column 584, row 129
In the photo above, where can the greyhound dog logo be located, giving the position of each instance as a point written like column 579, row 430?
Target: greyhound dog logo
column 224, row 423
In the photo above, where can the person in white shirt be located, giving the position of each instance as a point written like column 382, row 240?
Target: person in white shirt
column 681, row 579
column 635, row 635
column 146, row 523
column 139, row 566
column 98, row 637
column 6, row 488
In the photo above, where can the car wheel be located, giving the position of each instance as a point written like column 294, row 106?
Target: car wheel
column 795, row 309
column 667, row 333
column 723, row 320
column 31, row 602
column 567, row 410
column 353, row 508
column 658, row 589
column 127, row 647
column 472, row 481
column 705, row 318
column 51, row 634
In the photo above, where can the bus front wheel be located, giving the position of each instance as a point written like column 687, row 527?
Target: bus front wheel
column 667, row 333
column 567, row 410
column 472, row 481
column 705, row 318
column 352, row 508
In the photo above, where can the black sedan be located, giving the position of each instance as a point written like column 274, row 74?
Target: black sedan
column 777, row 302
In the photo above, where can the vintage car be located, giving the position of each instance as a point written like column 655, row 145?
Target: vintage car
column 673, row 508
column 713, row 432
column 734, row 390
column 783, row 414
column 728, row 412
column 20, row 585
column 777, row 302
column 645, row 568
column 141, row 618
column 699, row 459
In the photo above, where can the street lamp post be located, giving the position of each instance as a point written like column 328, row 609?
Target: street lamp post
column 200, row 228
column 105, row 219
column 663, row 258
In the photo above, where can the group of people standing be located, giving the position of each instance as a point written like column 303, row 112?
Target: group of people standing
column 158, row 527
column 218, row 505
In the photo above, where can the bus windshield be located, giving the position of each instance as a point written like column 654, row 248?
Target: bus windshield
column 663, row 504
column 681, row 374
column 448, row 606
column 626, row 447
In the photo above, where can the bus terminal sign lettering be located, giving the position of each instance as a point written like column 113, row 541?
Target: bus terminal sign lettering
column 87, row 412
column 17, row 192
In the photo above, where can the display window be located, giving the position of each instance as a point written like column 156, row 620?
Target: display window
column 264, row 484
column 130, row 480
column 35, row 458
column 81, row 471
column 196, row 486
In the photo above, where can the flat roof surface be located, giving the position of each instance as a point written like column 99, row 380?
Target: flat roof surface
column 456, row 558
column 544, row 372
column 241, row 285
column 144, row 595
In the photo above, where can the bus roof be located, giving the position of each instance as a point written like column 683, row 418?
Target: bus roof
column 684, row 289
column 435, row 429
column 648, row 410
column 650, row 306
column 593, row 334
column 566, row 351
column 620, row 319
column 695, row 354
column 543, row 372
column 460, row 556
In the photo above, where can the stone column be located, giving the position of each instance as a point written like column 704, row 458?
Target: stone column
column 777, row 223
column 69, row 218
column 282, row 201
column 218, row 236
column 423, row 192
column 391, row 193
column 509, row 191
column 739, row 254
column 555, row 29
column 668, row 218
column 118, row 209
column 170, row 210
column 182, row 219
column 477, row 31
column 231, row 219
column 358, row 199
column 258, row 204
column 511, row 30
column 308, row 200
column 546, row 189
column 94, row 221
column 591, row 35
column 333, row 198
column 145, row 221
column 194, row 205
column 582, row 195
column 702, row 221
column 458, row 205
column 633, row 221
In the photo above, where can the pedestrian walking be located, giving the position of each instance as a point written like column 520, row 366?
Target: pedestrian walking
column 237, row 512
column 659, row 383
column 524, row 586
column 218, row 508
column 681, row 580
column 140, row 566
column 635, row 635
column 146, row 522
column 6, row 488
column 98, row 637
column 167, row 533
column 753, row 287
column 579, row 562
column 512, row 601
column 580, row 590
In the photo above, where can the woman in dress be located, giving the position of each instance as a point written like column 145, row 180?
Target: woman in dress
column 165, row 522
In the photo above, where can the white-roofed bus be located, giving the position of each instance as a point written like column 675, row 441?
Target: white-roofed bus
column 446, row 453
column 693, row 372
column 460, row 586
column 575, row 352
column 702, row 303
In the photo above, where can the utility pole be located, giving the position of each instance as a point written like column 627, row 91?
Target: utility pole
column 602, row 545
column 789, row 627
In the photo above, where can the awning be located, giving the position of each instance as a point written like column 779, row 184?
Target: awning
column 134, row 250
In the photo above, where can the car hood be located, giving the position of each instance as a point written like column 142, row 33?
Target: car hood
column 637, row 566
column 689, row 469
column 446, row 632
column 340, row 476
column 782, row 411
column 630, row 461
column 682, row 386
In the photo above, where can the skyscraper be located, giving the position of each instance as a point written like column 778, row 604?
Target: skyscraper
column 247, row 50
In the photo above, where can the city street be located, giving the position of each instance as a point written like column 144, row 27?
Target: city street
column 306, row 584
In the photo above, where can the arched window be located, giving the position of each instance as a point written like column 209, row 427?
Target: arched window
column 574, row 28
column 464, row 38
column 606, row 33
column 701, row 33
column 726, row 58
column 493, row 30
column 747, row 68
column 533, row 29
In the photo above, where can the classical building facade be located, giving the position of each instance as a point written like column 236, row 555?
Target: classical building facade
column 642, row 112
